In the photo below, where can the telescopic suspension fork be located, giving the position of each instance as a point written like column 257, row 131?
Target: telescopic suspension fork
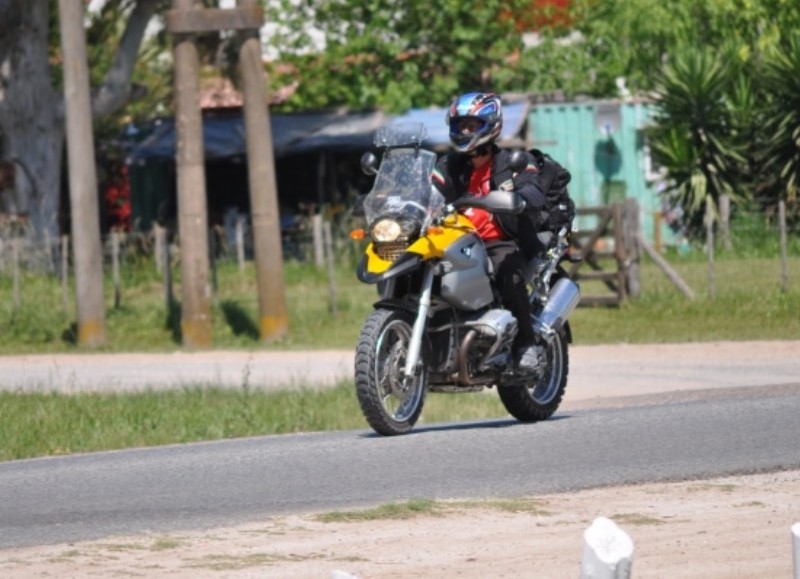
column 415, row 345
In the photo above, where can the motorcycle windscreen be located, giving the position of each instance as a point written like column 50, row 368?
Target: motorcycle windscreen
column 403, row 186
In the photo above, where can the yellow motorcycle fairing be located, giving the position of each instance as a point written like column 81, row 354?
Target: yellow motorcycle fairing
column 429, row 246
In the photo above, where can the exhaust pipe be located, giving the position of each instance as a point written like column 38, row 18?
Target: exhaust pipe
column 563, row 299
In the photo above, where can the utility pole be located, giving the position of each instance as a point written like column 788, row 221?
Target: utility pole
column 184, row 21
column 192, row 212
column 273, row 317
column 85, row 211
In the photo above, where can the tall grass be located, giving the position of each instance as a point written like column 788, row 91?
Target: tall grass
column 49, row 424
column 748, row 304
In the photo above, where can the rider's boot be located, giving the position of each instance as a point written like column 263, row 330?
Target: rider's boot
column 527, row 358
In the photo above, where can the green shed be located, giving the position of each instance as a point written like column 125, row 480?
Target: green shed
column 602, row 144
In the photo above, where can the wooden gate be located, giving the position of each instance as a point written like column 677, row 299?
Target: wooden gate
column 605, row 262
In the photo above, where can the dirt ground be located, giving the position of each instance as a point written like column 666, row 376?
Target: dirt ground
column 731, row 527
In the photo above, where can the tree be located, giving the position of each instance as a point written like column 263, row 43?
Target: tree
column 634, row 38
column 377, row 54
column 32, row 107
column 695, row 138
column 781, row 159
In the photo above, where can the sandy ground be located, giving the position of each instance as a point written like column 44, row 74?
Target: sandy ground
column 727, row 528
column 733, row 527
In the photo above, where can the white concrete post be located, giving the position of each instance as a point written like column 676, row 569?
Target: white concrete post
column 796, row 549
column 607, row 551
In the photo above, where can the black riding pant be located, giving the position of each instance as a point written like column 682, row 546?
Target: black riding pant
column 509, row 263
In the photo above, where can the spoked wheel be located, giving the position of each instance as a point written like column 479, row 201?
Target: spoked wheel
column 539, row 399
column 390, row 403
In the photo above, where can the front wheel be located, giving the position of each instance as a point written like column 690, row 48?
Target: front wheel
column 390, row 403
column 541, row 398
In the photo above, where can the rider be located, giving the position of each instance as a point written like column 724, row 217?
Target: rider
column 476, row 167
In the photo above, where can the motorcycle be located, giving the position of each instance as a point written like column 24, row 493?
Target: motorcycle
column 438, row 325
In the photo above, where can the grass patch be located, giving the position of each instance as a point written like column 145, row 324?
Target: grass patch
column 636, row 519
column 425, row 507
column 750, row 286
column 51, row 423
column 231, row 563
column 392, row 511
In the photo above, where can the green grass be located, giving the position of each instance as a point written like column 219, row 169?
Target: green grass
column 748, row 305
column 143, row 322
column 49, row 424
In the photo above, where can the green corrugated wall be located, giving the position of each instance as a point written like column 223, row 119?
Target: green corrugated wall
column 605, row 166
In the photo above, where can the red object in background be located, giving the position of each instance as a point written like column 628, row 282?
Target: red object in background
column 543, row 14
column 118, row 200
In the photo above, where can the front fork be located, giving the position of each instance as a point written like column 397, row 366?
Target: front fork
column 415, row 345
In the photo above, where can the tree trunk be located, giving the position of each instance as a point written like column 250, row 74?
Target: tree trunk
column 31, row 112
column 32, row 108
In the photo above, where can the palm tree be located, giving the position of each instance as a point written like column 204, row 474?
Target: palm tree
column 781, row 159
column 695, row 138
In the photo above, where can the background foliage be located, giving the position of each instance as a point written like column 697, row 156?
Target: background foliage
column 723, row 72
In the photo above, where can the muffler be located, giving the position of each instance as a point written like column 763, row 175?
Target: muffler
column 563, row 299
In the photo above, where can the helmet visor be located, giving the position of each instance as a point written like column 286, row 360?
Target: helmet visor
column 467, row 126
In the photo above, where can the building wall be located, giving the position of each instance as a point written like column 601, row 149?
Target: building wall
column 601, row 143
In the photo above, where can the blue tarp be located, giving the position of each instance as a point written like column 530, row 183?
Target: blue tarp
column 224, row 133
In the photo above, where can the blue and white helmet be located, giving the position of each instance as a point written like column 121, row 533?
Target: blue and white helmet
column 486, row 108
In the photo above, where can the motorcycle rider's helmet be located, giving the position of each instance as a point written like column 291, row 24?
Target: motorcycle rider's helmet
column 487, row 113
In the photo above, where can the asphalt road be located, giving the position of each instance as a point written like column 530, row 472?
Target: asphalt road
column 58, row 500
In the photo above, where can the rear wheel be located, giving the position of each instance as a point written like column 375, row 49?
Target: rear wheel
column 390, row 403
column 539, row 399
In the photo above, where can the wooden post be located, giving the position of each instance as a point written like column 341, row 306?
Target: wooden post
column 607, row 551
column 267, row 250
column 84, row 203
column 632, row 227
column 725, row 221
column 192, row 212
column 710, row 246
column 319, row 249
column 115, row 268
column 658, row 217
column 212, row 250
column 158, row 247
column 329, row 259
column 163, row 262
column 620, row 251
column 240, row 242
column 65, row 272
column 15, row 269
column 671, row 274
column 784, row 249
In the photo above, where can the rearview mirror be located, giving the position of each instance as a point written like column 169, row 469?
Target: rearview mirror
column 369, row 163
column 518, row 161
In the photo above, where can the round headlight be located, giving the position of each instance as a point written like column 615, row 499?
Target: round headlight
column 386, row 230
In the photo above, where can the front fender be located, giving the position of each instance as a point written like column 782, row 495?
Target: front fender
column 404, row 264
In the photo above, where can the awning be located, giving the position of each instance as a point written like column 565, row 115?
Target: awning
column 224, row 133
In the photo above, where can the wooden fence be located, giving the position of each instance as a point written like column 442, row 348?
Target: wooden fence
column 610, row 254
